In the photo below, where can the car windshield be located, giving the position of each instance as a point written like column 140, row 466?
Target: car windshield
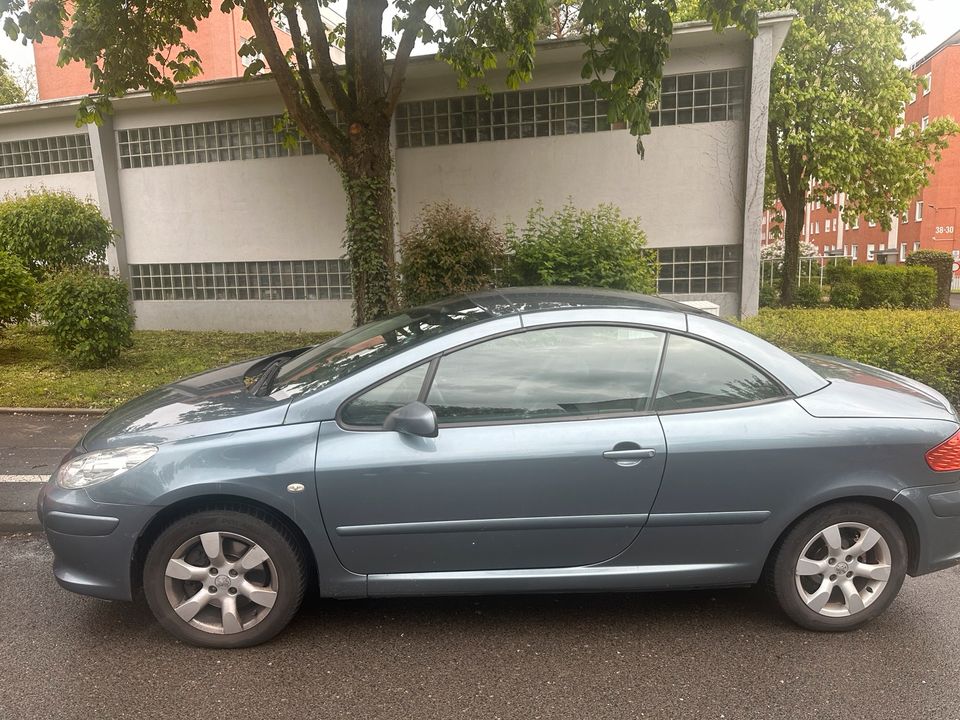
column 359, row 348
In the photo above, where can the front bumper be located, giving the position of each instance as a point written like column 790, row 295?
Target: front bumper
column 93, row 543
column 935, row 510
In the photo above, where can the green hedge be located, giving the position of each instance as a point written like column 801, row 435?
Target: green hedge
column 882, row 286
column 942, row 265
column 924, row 345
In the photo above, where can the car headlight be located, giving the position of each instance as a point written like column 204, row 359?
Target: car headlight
column 102, row 465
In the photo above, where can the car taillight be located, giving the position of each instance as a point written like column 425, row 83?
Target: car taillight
column 945, row 456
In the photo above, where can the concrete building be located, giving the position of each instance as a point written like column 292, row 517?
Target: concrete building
column 932, row 218
column 222, row 227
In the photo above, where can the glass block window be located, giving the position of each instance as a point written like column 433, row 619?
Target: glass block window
column 569, row 110
column 700, row 98
column 714, row 268
column 265, row 280
column 46, row 156
column 205, row 142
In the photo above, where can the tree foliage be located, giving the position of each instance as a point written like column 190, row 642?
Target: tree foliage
column 838, row 91
column 10, row 90
column 143, row 44
column 52, row 231
column 839, row 87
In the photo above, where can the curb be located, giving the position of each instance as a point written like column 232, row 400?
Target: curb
column 18, row 503
column 18, row 522
column 51, row 411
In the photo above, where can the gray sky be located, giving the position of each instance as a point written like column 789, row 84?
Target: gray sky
column 940, row 19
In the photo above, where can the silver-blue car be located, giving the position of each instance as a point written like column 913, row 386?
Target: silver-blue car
column 512, row 441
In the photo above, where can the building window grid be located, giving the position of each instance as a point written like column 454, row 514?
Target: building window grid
column 252, row 280
column 567, row 110
column 46, row 156
column 714, row 268
column 206, row 142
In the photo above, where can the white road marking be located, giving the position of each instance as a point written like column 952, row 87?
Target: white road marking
column 24, row 478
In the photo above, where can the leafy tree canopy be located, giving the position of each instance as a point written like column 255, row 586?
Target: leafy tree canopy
column 10, row 91
column 839, row 88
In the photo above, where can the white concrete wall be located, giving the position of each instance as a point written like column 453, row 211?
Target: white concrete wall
column 288, row 208
column 268, row 209
column 244, row 315
column 688, row 190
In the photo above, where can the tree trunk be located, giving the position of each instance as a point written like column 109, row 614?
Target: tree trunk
column 370, row 223
column 794, row 209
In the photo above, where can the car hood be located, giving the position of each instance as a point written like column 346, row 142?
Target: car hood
column 208, row 403
column 858, row 390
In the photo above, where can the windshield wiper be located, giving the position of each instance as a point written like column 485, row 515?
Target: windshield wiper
column 265, row 381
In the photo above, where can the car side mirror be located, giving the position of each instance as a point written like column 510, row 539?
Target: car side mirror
column 413, row 419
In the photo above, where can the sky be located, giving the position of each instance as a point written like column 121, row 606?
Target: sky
column 939, row 18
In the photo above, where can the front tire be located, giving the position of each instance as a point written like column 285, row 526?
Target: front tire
column 839, row 567
column 225, row 578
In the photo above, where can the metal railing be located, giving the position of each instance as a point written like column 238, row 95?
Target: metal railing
column 811, row 269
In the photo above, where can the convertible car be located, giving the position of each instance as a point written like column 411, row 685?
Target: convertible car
column 512, row 441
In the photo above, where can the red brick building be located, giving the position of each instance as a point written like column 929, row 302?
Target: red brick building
column 217, row 39
column 931, row 222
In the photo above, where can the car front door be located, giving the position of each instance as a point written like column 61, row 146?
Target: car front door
column 548, row 455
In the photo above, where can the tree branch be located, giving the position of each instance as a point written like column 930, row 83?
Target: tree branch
column 409, row 38
column 303, row 61
column 320, row 44
column 316, row 124
column 778, row 174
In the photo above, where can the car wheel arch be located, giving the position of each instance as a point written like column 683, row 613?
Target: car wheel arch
column 900, row 515
column 198, row 503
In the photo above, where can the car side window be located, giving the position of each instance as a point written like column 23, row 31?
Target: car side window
column 697, row 375
column 372, row 408
column 549, row 373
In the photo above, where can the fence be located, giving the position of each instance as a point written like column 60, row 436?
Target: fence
column 810, row 271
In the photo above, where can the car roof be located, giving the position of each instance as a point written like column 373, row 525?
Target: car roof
column 503, row 302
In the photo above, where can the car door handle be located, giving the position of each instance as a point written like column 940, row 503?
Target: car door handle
column 629, row 458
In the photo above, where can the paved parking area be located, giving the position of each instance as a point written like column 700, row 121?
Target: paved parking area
column 667, row 655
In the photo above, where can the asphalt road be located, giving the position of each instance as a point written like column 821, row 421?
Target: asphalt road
column 34, row 444
column 673, row 655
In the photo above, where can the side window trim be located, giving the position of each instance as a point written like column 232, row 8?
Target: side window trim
column 786, row 393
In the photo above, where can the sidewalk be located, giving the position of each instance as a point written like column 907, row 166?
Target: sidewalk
column 30, row 449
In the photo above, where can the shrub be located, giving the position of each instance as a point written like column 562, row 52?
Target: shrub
column 88, row 316
column 808, row 295
column 598, row 248
column 889, row 286
column 919, row 288
column 53, row 231
column 845, row 294
column 942, row 265
column 17, row 290
column 880, row 285
column 451, row 250
column 924, row 345
column 769, row 296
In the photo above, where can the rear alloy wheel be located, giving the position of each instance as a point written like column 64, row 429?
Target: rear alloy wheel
column 840, row 567
column 224, row 578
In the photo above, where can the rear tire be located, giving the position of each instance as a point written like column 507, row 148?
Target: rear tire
column 839, row 567
column 225, row 578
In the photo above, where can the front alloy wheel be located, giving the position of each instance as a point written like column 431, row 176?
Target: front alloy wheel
column 224, row 578
column 840, row 567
